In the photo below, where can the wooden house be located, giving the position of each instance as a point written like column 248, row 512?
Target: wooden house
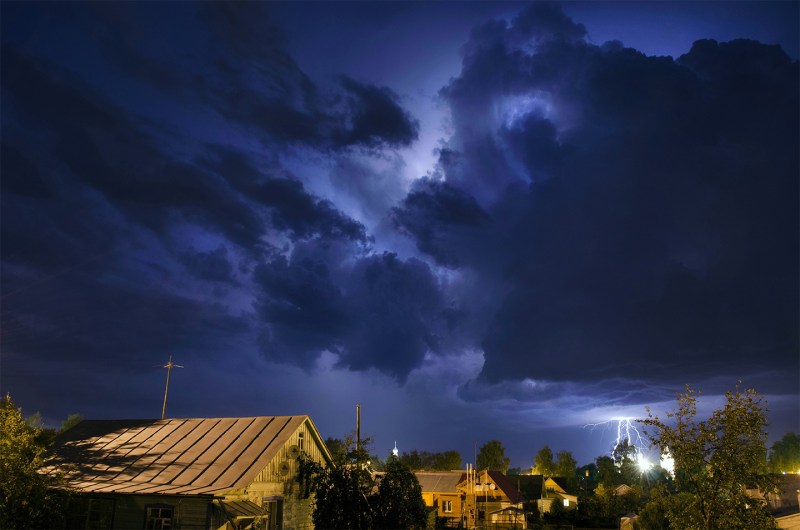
column 465, row 500
column 203, row 473
column 440, row 491
column 555, row 490
column 493, row 499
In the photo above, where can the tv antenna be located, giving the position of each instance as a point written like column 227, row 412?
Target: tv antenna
column 169, row 366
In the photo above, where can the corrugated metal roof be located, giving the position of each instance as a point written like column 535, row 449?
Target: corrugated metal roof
column 172, row 456
column 445, row 481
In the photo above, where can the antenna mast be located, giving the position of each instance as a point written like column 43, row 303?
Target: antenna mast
column 169, row 366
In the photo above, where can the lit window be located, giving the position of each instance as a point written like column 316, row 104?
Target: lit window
column 159, row 517
column 566, row 503
column 447, row 506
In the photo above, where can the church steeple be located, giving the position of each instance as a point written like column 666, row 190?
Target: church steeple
column 395, row 451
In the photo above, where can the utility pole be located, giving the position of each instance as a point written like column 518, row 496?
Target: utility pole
column 358, row 426
column 169, row 366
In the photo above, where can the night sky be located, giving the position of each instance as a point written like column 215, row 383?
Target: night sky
column 478, row 220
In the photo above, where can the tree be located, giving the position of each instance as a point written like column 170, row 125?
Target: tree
column 341, row 490
column 543, row 462
column 28, row 497
column 624, row 455
column 345, row 496
column 565, row 465
column 398, row 502
column 493, row 456
column 446, row 461
column 608, row 473
column 715, row 460
column 785, row 454
column 653, row 515
column 71, row 421
column 337, row 449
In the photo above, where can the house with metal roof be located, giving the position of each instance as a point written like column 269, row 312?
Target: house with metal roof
column 473, row 498
column 194, row 473
column 440, row 491
column 496, row 499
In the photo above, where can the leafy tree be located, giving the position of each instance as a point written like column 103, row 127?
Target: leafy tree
column 342, row 490
column 653, row 515
column 493, row 456
column 558, row 513
column 715, row 460
column 445, row 461
column 608, row 473
column 413, row 459
column 28, row 497
column 785, row 454
column 595, row 511
column 624, row 455
column 543, row 462
column 71, row 421
column 587, row 476
column 565, row 465
column 398, row 502
column 338, row 450
column 345, row 495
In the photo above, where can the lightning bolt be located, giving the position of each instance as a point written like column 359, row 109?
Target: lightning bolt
column 626, row 433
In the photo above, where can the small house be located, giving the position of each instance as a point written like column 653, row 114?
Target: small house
column 491, row 492
column 440, row 491
column 194, row 473
column 556, row 490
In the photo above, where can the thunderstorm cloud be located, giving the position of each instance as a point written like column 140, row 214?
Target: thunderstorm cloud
column 597, row 225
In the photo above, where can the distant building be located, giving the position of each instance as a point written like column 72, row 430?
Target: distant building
column 556, row 490
column 485, row 498
column 220, row 473
column 440, row 491
column 784, row 502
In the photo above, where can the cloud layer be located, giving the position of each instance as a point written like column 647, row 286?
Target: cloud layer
column 601, row 226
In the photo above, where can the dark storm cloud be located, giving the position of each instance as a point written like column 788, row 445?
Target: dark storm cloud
column 240, row 65
column 276, row 98
column 113, row 152
column 84, row 320
column 641, row 208
column 119, row 156
column 21, row 174
column 301, row 214
column 303, row 308
column 398, row 308
column 135, row 178
column 375, row 117
column 442, row 219
column 213, row 265
column 381, row 312
column 104, row 181
column 291, row 207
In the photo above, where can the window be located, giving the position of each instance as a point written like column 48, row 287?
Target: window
column 101, row 514
column 566, row 503
column 89, row 513
column 300, row 440
column 273, row 512
column 159, row 517
column 447, row 506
